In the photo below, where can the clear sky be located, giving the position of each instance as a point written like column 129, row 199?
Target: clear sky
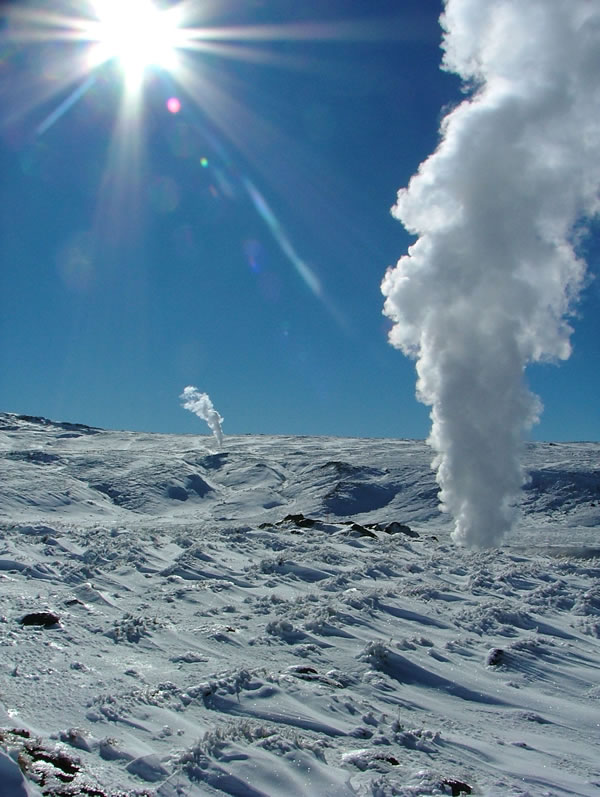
column 235, row 239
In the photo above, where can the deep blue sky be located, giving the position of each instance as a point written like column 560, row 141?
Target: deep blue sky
column 123, row 280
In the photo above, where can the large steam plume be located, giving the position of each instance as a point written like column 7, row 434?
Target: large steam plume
column 489, row 283
column 200, row 404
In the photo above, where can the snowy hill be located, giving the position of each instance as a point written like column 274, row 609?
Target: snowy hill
column 287, row 616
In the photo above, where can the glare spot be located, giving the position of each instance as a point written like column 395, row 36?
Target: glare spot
column 204, row 162
column 173, row 105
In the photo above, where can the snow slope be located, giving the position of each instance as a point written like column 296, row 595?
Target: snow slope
column 288, row 617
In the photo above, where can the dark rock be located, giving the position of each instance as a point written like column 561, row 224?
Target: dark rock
column 5, row 733
column 90, row 791
column 394, row 528
column 495, row 657
column 363, row 531
column 65, row 768
column 400, row 528
column 34, row 419
column 300, row 520
column 77, row 427
column 457, row 787
column 66, row 425
column 47, row 619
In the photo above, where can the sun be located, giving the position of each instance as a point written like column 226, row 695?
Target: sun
column 79, row 43
column 136, row 34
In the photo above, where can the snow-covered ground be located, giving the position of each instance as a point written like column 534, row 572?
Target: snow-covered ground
column 288, row 617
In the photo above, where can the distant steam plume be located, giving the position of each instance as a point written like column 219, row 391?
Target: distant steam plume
column 489, row 283
column 200, row 404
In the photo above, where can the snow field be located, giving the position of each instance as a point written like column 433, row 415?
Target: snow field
column 210, row 646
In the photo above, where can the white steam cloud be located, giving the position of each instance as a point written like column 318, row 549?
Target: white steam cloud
column 200, row 404
column 489, row 283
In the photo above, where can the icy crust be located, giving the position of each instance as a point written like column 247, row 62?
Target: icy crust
column 247, row 650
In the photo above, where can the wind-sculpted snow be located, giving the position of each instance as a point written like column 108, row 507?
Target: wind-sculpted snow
column 252, row 640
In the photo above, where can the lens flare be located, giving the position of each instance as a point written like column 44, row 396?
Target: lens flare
column 85, row 45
